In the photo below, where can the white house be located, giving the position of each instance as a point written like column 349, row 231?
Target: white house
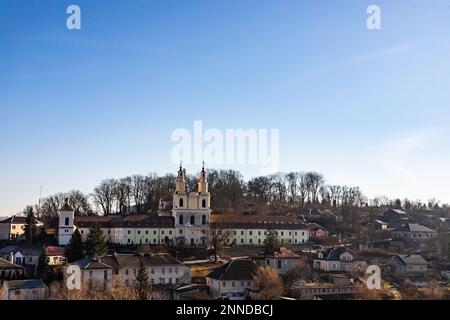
column 13, row 228
column 94, row 274
column 162, row 268
column 339, row 259
column 24, row 255
column 283, row 260
column 233, row 280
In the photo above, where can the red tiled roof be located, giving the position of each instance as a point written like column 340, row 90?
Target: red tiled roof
column 55, row 251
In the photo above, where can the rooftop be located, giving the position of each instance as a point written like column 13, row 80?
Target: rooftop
column 240, row 269
column 24, row 284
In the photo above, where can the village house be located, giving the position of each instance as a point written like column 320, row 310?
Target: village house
column 252, row 230
column 394, row 216
column 233, row 280
column 10, row 270
column 94, row 274
column 162, row 268
column 24, row 255
column 283, row 260
column 31, row 289
column 410, row 264
column 316, row 231
column 339, row 259
column 54, row 256
column 381, row 225
column 13, row 228
column 414, row 232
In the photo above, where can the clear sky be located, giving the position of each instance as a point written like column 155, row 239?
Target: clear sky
column 366, row 108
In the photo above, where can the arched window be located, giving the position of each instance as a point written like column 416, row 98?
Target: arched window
column 180, row 219
column 181, row 203
column 192, row 220
column 203, row 219
column 204, row 203
column 66, row 221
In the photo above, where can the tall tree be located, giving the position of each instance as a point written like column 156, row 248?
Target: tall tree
column 142, row 287
column 218, row 240
column 95, row 242
column 74, row 250
column 271, row 242
column 30, row 224
column 104, row 195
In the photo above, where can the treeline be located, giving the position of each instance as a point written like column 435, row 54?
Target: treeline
column 140, row 194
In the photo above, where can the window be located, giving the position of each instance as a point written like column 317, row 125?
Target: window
column 251, row 232
column 268, row 262
column 127, row 272
column 192, row 222
column 146, row 231
column 203, row 219
column 279, row 264
column 259, row 233
column 66, row 221
column 181, row 203
column 242, row 233
column 233, row 284
column 180, row 219
column 139, row 231
column 204, row 203
column 162, row 231
column 129, row 231
column 152, row 270
column 105, row 275
column 224, row 284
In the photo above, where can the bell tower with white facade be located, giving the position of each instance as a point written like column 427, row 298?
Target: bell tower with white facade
column 191, row 210
column 66, row 224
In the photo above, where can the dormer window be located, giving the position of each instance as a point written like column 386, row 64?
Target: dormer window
column 66, row 221
column 204, row 203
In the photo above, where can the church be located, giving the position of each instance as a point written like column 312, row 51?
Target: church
column 189, row 222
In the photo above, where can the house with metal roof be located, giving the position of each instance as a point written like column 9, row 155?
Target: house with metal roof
column 414, row 231
column 30, row 289
column 410, row 264
column 340, row 259
column 233, row 280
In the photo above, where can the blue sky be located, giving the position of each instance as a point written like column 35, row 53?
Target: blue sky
column 366, row 108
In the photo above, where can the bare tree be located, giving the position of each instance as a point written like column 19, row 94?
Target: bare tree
column 104, row 195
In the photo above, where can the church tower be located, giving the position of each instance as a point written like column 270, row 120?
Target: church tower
column 66, row 224
column 191, row 210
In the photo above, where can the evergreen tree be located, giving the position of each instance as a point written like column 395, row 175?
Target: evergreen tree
column 74, row 250
column 142, row 287
column 95, row 242
column 271, row 242
column 30, row 222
